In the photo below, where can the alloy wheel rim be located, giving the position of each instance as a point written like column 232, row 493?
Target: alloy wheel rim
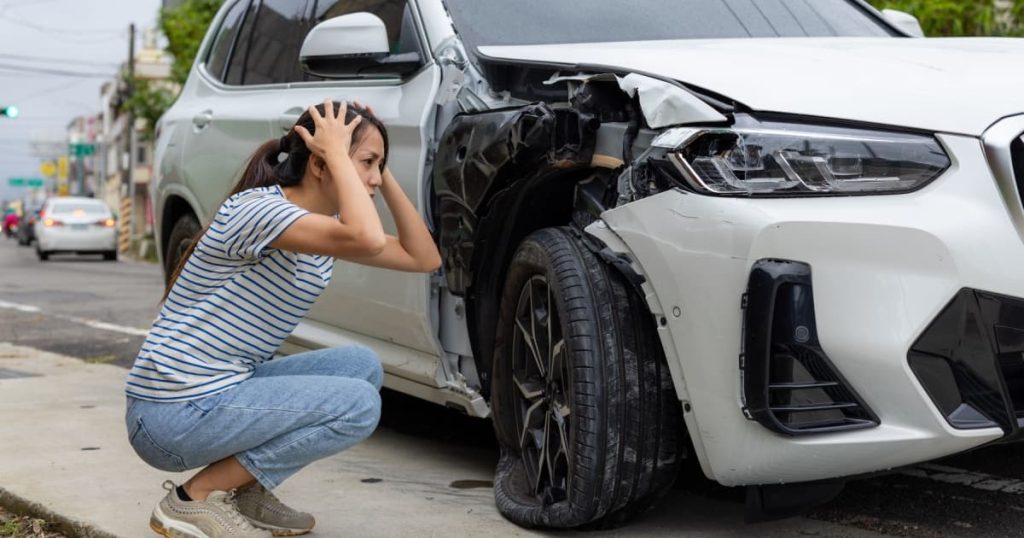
column 542, row 389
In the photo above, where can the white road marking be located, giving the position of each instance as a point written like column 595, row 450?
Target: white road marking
column 112, row 327
column 102, row 325
column 19, row 307
column 952, row 475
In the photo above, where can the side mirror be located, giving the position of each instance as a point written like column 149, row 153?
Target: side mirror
column 904, row 21
column 353, row 45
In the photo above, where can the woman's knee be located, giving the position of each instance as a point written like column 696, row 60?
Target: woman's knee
column 363, row 414
column 365, row 362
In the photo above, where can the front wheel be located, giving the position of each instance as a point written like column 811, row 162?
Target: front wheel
column 185, row 230
column 584, row 406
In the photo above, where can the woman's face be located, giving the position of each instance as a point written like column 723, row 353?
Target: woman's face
column 368, row 155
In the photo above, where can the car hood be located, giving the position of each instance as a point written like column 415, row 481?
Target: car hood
column 948, row 85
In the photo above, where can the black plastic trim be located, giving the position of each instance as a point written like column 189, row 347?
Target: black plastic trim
column 970, row 361
column 1017, row 157
column 762, row 345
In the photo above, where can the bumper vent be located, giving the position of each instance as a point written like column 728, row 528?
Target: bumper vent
column 789, row 384
column 970, row 360
column 1017, row 155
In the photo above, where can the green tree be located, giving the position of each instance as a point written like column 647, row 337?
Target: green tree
column 185, row 27
column 945, row 18
column 149, row 100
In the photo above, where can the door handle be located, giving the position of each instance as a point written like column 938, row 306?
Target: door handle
column 288, row 118
column 202, row 119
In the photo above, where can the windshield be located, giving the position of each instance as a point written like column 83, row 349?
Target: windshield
column 534, row 22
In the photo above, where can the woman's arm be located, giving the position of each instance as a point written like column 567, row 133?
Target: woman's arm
column 414, row 249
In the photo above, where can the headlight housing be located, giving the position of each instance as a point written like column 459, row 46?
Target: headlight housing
column 788, row 159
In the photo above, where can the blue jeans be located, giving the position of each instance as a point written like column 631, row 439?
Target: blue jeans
column 293, row 411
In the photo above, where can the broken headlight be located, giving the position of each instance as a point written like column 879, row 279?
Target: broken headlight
column 778, row 159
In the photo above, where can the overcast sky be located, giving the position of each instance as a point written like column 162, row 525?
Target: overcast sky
column 88, row 37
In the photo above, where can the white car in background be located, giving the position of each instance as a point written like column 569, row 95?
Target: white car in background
column 784, row 233
column 75, row 225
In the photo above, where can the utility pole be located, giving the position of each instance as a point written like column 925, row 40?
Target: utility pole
column 128, row 187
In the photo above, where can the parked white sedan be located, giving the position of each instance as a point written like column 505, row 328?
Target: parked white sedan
column 76, row 225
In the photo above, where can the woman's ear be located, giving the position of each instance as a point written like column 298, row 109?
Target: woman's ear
column 317, row 166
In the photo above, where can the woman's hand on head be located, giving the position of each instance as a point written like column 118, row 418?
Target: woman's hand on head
column 332, row 135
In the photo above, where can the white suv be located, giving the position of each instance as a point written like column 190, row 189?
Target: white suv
column 785, row 234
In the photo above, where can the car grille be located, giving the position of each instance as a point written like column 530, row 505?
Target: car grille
column 970, row 360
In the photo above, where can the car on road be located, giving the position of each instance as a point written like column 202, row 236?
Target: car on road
column 10, row 222
column 75, row 225
column 780, row 238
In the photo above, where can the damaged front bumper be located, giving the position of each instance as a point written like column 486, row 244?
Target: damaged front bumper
column 883, row 270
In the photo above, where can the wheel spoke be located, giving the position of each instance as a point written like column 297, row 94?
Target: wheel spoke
column 551, row 446
column 562, row 454
column 532, row 345
column 556, row 369
column 530, row 389
column 549, row 319
column 542, row 458
column 528, row 419
column 538, row 316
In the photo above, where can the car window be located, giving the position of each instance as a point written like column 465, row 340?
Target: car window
column 84, row 208
column 278, row 30
column 271, row 36
column 235, row 74
column 221, row 48
column 500, row 22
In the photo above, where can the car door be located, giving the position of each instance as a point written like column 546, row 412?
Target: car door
column 233, row 98
column 387, row 305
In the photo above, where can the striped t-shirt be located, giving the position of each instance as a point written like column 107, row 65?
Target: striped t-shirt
column 233, row 305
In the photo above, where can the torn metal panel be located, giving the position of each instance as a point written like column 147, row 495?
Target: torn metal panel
column 661, row 102
column 482, row 154
column 665, row 104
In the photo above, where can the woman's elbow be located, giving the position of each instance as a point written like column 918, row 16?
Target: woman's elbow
column 373, row 242
column 435, row 264
column 432, row 264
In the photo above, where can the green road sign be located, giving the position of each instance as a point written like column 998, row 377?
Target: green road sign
column 34, row 182
column 81, row 150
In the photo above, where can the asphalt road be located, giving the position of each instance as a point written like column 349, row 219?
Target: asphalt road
column 98, row 311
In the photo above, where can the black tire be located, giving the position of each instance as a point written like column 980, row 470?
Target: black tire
column 184, row 231
column 43, row 256
column 624, row 432
column 110, row 255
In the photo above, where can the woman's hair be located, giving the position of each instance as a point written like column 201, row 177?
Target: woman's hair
column 283, row 162
column 266, row 168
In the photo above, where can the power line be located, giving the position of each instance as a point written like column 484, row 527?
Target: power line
column 49, row 71
column 56, row 60
column 59, row 31
column 47, row 91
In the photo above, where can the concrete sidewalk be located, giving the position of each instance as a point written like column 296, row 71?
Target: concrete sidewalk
column 64, row 448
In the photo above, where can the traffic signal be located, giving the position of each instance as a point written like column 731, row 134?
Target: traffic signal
column 9, row 111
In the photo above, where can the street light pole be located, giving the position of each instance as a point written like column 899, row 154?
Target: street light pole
column 128, row 218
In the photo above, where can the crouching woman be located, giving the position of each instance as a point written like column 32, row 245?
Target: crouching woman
column 206, row 391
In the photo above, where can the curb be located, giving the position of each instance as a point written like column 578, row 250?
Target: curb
column 62, row 524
